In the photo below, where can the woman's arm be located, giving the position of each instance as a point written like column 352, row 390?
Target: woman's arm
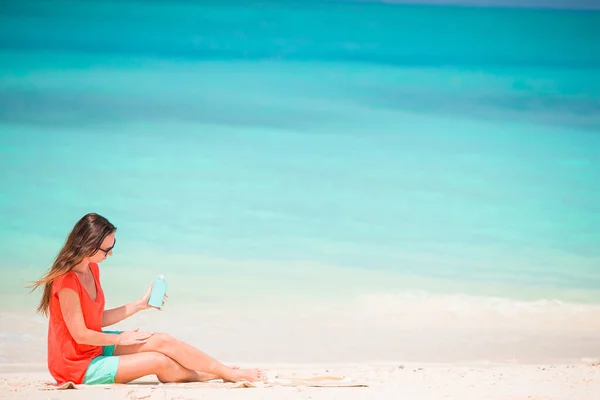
column 70, row 307
column 118, row 314
column 73, row 316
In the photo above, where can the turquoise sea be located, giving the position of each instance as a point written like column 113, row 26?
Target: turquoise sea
column 296, row 152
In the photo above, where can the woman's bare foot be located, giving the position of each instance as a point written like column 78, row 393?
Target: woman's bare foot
column 205, row 376
column 239, row 375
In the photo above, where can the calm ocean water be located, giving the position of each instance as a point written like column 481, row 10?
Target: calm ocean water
column 306, row 149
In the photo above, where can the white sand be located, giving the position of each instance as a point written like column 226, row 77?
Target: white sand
column 385, row 381
column 537, row 350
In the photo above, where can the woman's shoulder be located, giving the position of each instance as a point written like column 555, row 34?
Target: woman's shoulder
column 67, row 280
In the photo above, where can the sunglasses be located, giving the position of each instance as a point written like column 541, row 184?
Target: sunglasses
column 110, row 249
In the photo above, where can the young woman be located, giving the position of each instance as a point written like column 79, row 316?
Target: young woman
column 79, row 351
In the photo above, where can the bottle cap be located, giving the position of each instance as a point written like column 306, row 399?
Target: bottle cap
column 161, row 276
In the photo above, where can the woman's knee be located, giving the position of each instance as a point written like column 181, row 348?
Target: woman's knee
column 165, row 368
column 162, row 341
column 158, row 361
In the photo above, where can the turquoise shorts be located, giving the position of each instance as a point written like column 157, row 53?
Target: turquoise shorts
column 103, row 369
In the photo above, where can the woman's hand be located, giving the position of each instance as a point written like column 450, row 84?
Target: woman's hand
column 143, row 302
column 133, row 337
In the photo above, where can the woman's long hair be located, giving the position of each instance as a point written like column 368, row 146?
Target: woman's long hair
column 84, row 240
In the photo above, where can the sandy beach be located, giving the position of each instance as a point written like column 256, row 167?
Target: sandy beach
column 384, row 381
column 523, row 353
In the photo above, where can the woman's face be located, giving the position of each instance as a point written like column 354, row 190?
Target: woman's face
column 105, row 249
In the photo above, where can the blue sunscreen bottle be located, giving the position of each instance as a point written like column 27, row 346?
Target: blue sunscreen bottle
column 159, row 289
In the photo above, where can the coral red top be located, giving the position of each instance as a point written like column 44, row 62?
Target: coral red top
column 68, row 360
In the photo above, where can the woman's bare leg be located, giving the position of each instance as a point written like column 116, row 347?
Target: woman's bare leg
column 190, row 358
column 134, row 366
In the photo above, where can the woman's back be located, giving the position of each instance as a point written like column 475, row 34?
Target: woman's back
column 68, row 360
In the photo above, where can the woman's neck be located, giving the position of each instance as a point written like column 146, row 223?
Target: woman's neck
column 82, row 267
